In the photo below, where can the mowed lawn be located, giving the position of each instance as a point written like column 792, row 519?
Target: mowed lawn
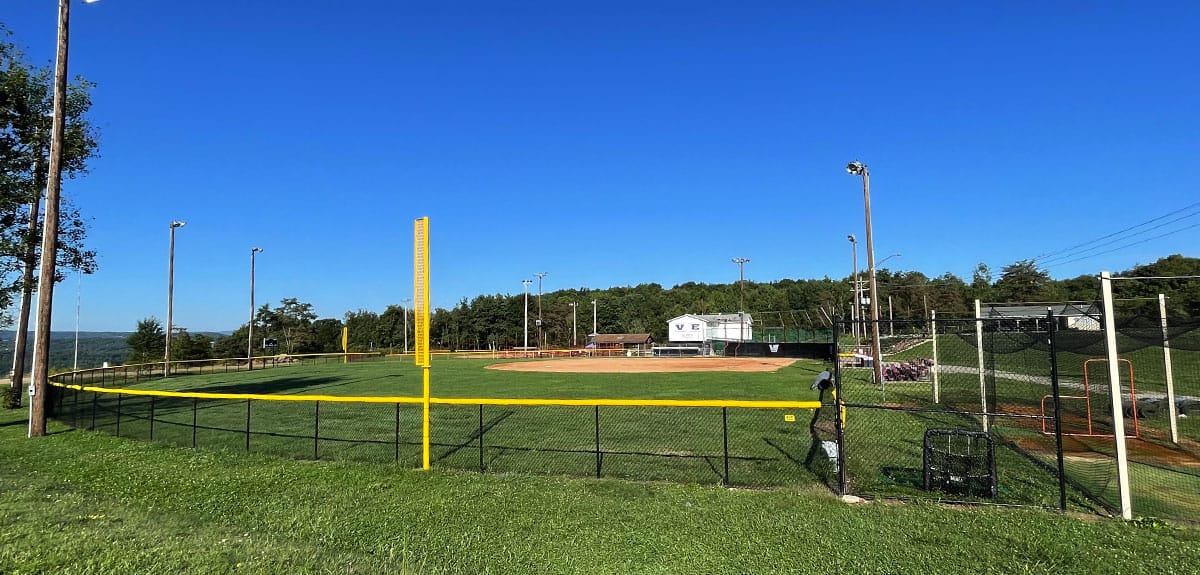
column 469, row 377
column 80, row 502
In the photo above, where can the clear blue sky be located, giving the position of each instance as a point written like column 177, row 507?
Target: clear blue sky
column 611, row 143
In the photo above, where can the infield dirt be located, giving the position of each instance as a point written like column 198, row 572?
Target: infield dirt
column 647, row 364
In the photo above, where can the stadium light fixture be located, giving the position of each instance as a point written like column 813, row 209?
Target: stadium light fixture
column 855, row 310
column 741, row 262
column 857, row 168
column 170, row 296
column 250, row 334
column 526, row 282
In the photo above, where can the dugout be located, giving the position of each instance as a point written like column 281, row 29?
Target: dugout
column 821, row 351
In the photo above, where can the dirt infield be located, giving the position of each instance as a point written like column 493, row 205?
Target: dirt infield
column 647, row 364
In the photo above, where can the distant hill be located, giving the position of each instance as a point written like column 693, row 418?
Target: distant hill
column 95, row 348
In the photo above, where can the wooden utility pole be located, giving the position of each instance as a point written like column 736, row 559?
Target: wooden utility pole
column 41, row 346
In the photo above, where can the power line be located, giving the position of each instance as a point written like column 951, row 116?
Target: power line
column 1052, row 255
column 1131, row 244
column 1055, row 260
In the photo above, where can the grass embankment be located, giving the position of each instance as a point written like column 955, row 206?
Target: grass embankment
column 79, row 502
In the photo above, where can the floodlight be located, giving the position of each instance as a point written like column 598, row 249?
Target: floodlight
column 178, row 224
column 856, row 168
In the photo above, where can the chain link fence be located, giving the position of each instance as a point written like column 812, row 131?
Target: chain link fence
column 1010, row 410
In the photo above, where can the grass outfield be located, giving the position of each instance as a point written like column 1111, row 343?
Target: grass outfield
column 648, row 443
column 79, row 502
column 687, row 445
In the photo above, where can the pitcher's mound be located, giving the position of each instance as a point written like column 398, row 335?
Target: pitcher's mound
column 647, row 364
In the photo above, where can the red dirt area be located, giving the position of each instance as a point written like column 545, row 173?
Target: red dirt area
column 647, row 364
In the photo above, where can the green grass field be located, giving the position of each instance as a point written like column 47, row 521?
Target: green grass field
column 883, row 450
column 78, row 502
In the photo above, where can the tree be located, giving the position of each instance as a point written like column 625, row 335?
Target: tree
column 147, row 343
column 26, row 101
column 1023, row 281
column 291, row 323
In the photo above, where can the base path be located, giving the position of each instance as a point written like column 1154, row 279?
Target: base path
column 647, row 364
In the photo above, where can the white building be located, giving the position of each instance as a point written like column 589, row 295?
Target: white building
column 699, row 328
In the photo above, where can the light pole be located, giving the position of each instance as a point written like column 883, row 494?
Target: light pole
column 170, row 296
column 891, row 325
column 541, row 338
column 78, row 305
column 574, row 326
column 41, row 344
column 741, row 262
column 595, row 332
column 857, row 168
column 250, row 335
column 404, row 307
column 526, row 284
column 854, row 309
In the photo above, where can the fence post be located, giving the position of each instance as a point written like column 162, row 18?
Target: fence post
column 316, row 429
column 979, row 348
column 397, row 433
column 1055, row 389
column 118, row 434
column 1114, row 384
column 75, row 411
column 195, row 404
column 725, row 442
column 248, row 425
column 838, row 411
column 95, row 398
column 597, row 427
column 151, row 418
column 481, row 469
column 1162, row 317
column 936, row 363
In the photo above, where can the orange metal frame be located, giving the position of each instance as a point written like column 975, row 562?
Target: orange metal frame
column 1087, row 397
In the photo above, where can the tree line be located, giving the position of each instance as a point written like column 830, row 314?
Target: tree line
column 498, row 321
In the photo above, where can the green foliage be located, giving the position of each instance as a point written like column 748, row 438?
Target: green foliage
column 148, row 342
column 10, row 396
column 25, row 107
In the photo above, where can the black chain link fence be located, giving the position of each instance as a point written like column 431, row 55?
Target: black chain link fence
column 705, row 445
column 1001, row 410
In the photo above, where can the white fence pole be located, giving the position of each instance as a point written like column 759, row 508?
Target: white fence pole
column 979, row 347
column 1162, row 316
column 1114, row 385
column 936, row 363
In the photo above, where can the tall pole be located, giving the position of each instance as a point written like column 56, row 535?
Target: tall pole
column 404, row 306
column 526, row 284
column 41, row 348
column 170, row 296
column 1115, row 394
column 78, row 305
column 541, row 338
column 858, row 169
column 855, row 312
column 250, row 333
column 594, row 330
column 574, row 325
column 741, row 262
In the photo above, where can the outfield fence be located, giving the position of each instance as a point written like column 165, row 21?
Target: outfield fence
column 979, row 410
column 748, row 443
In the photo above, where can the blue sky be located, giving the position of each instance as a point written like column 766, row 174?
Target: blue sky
column 612, row 143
